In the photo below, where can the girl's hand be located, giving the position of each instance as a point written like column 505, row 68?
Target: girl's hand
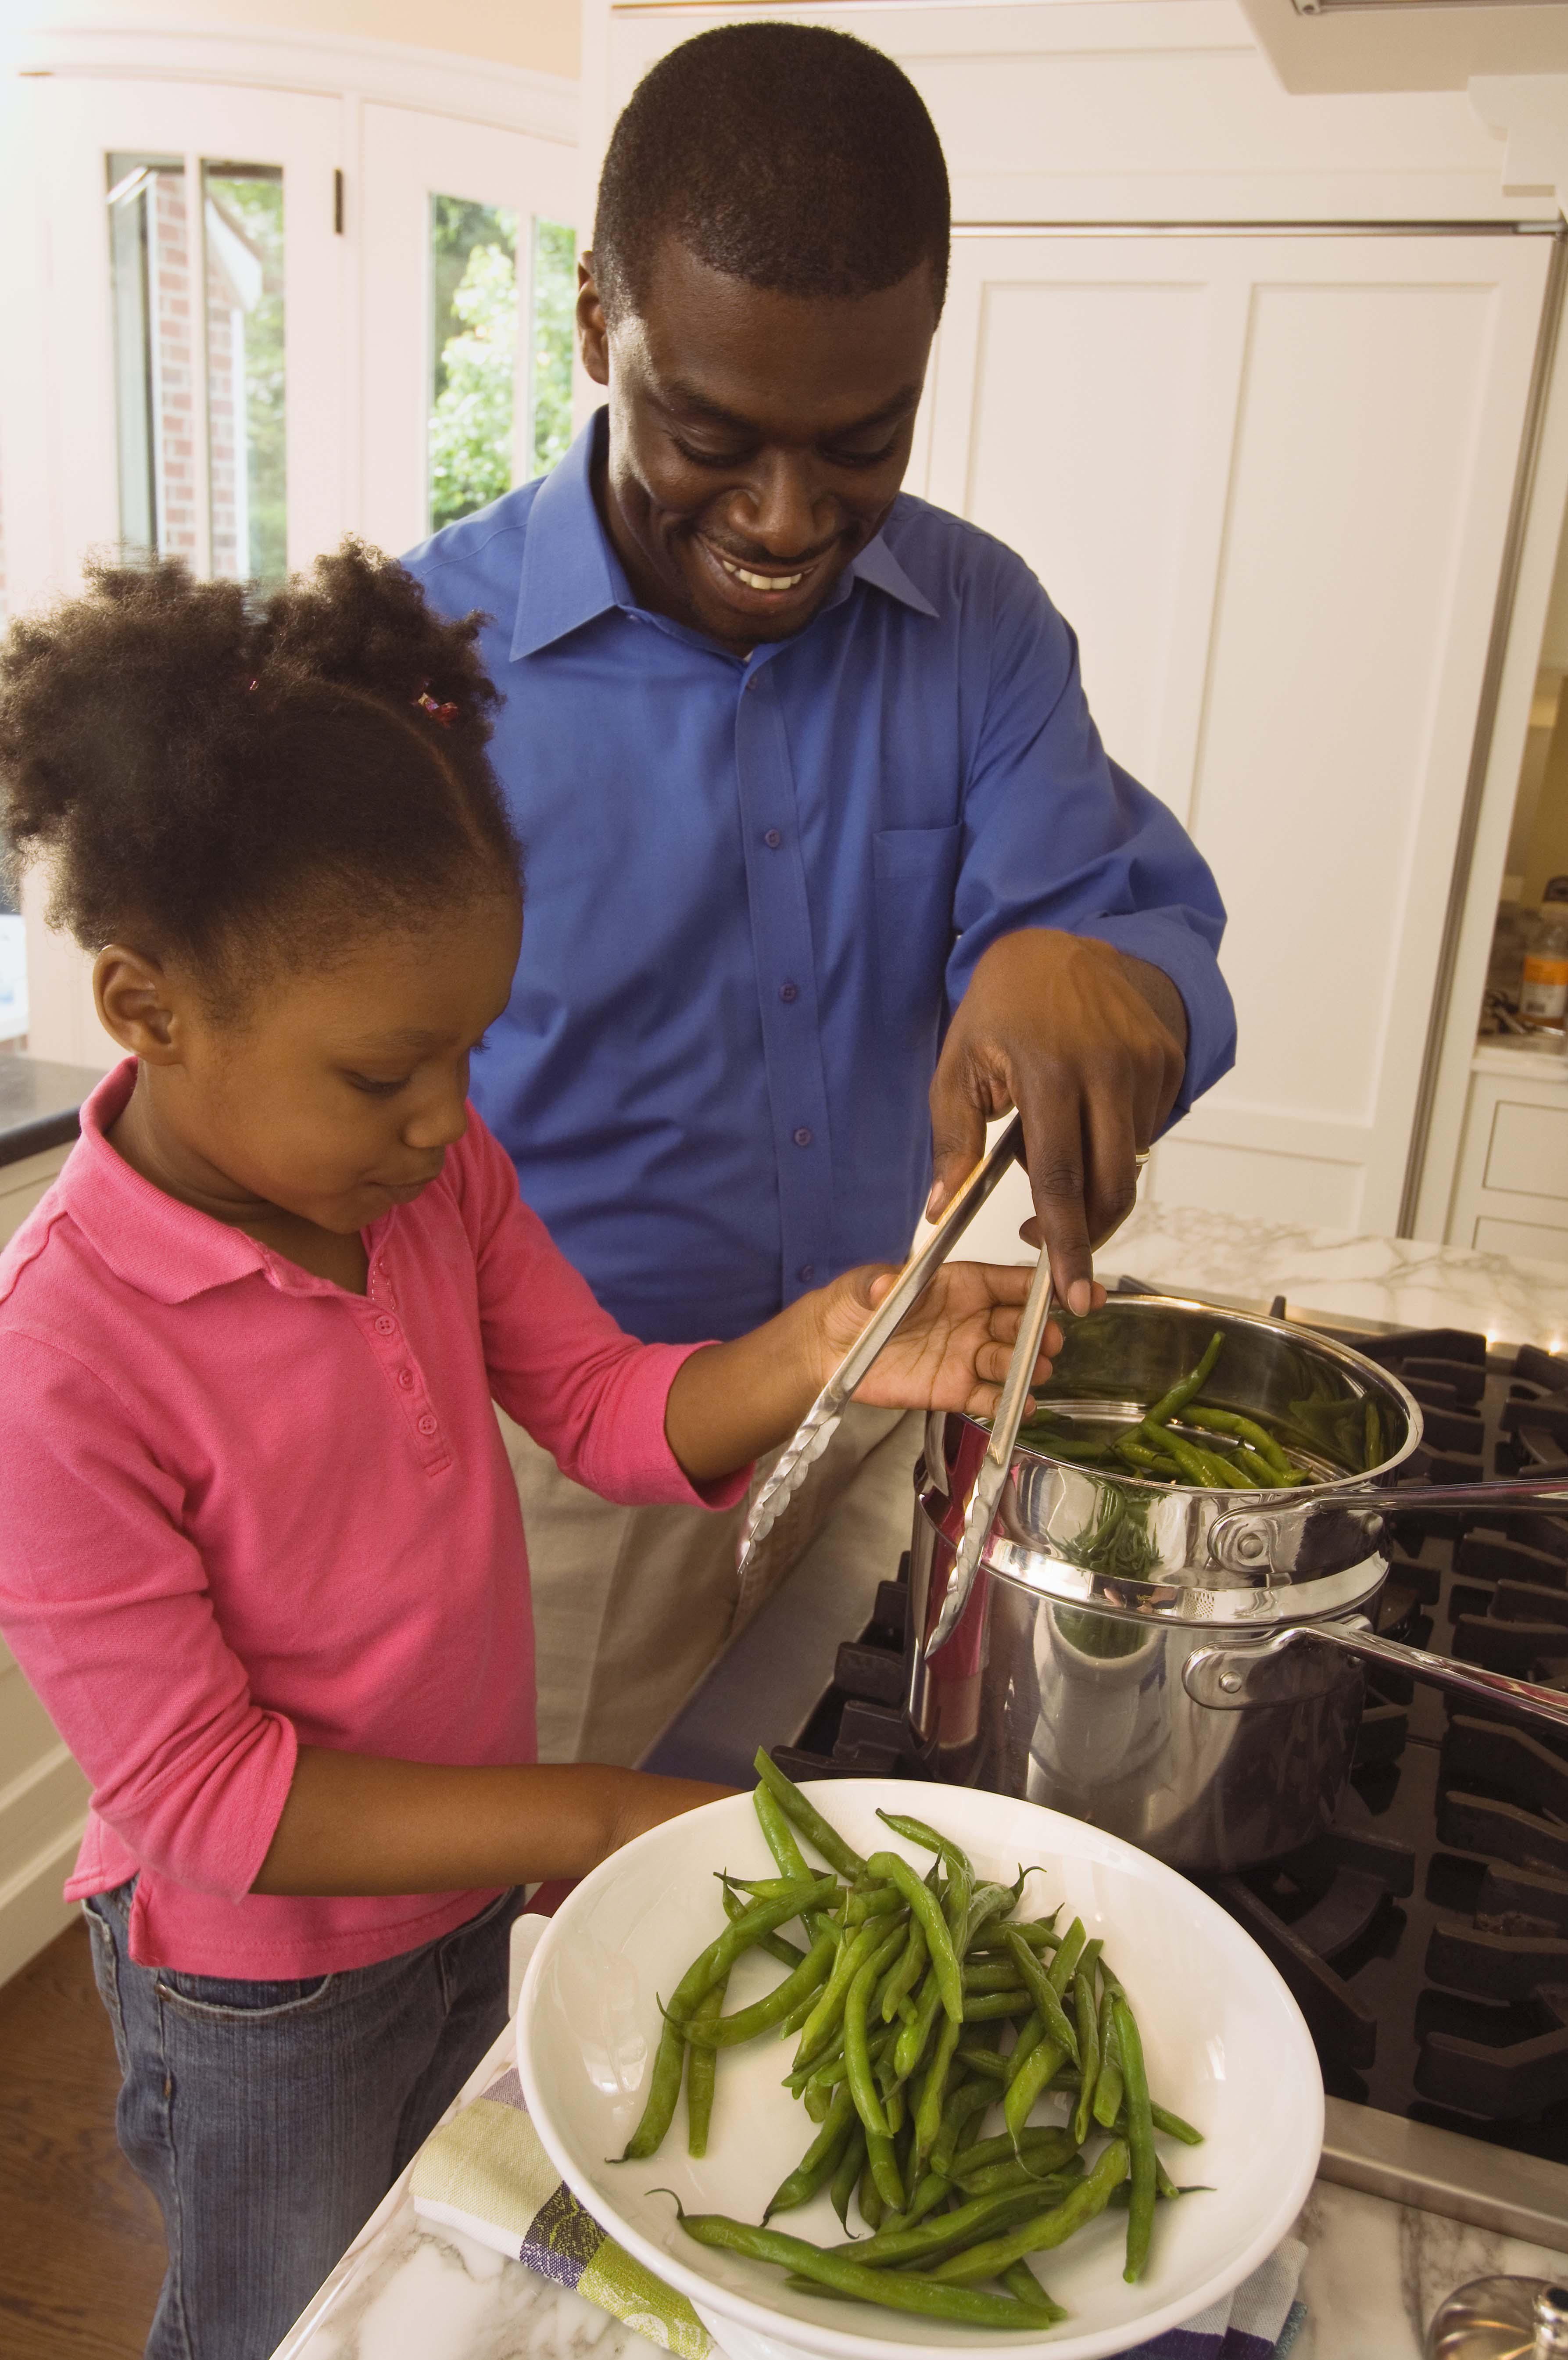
column 953, row 1349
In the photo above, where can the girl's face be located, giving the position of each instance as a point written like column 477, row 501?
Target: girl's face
column 335, row 1094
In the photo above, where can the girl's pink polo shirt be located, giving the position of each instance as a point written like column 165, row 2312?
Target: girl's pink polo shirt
column 241, row 1509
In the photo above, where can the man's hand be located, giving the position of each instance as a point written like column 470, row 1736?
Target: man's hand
column 1090, row 1046
column 954, row 1345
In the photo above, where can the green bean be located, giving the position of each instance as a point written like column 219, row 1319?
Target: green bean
column 913, row 2038
column 1040, row 1933
column 1078, row 2207
column 993, row 2007
column 817, row 2165
column 706, row 1969
column 764, row 1888
column 989, row 1975
column 923, row 1902
column 862, row 2083
column 933, row 2240
column 1193, row 1466
column 1244, row 1429
column 893, row 2290
column 983, row 2060
column 885, row 2172
column 1170, row 1405
column 787, row 1953
column 1034, row 2075
column 701, row 2066
column 777, row 1834
column 1108, row 2087
column 872, row 1901
column 816, row 2101
column 933, row 2093
column 763, row 2014
column 851, row 2164
column 1021, row 2281
column 907, row 1970
column 1266, row 1476
column 1008, row 2179
column 1029, row 2031
column 1088, row 2051
column 871, row 2205
column 990, row 1901
column 827, row 2011
column 1174, row 2128
column 970, row 2099
column 1140, row 2140
column 1047, row 2144
column 1142, row 1457
column 807, row 1818
column 1045, row 1986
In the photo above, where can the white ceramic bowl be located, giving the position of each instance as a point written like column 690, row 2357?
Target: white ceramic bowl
column 1225, row 2044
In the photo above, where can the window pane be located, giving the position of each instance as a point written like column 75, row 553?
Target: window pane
column 474, row 349
column 151, row 275
column 242, row 219
column 554, row 310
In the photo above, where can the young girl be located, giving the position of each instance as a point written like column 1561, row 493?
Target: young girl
column 260, row 1552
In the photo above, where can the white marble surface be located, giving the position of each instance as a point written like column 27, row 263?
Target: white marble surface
column 1375, row 2274
column 1400, row 1279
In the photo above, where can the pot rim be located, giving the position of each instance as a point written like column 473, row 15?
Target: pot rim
column 1190, row 1589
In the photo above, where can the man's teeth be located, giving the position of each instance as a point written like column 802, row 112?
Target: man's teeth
column 762, row 581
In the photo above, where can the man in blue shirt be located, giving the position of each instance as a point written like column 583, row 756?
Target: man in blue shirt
column 819, row 826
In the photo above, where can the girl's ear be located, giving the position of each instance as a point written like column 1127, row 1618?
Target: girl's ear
column 137, row 1006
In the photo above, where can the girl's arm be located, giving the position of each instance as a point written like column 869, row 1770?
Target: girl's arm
column 729, row 1403
column 354, row 1823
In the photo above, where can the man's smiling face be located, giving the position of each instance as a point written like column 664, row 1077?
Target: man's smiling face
column 756, row 440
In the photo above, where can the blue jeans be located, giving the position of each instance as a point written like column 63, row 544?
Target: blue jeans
column 271, row 2119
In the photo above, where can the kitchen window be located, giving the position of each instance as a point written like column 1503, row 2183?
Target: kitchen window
column 500, row 393
column 198, row 297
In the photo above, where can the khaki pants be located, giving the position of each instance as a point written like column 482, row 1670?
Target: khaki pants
column 631, row 1605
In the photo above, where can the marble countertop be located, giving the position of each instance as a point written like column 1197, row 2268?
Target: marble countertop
column 406, row 2290
column 1403, row 1281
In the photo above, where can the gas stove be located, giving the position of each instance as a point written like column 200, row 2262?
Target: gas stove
column 1425, row 1937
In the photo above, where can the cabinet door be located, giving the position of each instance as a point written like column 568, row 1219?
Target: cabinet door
column 469, row 281
column 1268, row 480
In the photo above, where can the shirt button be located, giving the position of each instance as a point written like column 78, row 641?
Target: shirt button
column 426, row 1424
column 773, row 839
column 806, row 1273
column 789, row 991
column 406, row 1378
column 385, row 1327
column 802, row 1138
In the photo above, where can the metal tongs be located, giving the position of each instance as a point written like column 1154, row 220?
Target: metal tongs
column 816, row 1431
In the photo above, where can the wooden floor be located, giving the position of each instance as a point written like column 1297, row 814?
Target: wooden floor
column 81, row 2241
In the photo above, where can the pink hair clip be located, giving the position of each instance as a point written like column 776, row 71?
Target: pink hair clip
column 445, row 714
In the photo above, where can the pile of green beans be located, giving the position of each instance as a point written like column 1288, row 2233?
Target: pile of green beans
column 1232, row 1452
column 902, row 1997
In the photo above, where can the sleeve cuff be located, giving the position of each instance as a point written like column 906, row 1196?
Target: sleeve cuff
column 1182, row 953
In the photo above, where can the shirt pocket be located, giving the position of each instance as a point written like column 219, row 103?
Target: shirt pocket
column 916, row 871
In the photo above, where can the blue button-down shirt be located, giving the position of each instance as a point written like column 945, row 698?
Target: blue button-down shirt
column 755, row 890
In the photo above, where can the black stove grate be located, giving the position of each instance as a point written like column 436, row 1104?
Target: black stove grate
column 1426, row 1936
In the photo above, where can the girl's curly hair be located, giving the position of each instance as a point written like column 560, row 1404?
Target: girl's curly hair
column 209, row 773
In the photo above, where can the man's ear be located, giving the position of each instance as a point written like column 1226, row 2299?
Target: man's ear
column 136, row 1005
column 593, row 336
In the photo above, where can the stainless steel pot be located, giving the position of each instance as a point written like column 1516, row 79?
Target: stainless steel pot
column 1180, row 1666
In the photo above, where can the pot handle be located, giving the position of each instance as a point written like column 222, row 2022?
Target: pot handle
column 1247, row 1540
column 1221, row 1677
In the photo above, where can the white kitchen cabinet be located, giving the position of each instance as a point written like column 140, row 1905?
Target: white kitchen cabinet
column 1268, row 478
column 1510, row 1189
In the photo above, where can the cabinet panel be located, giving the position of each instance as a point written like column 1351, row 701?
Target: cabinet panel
column 1268, row 479
column 1530, row 1239
column 1529, row 1149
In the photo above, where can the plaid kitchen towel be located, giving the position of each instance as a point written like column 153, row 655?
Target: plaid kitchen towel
column 485, row 2172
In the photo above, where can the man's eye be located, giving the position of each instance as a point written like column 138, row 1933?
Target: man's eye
column 374, row 1090
column 707, row 458
column 863, row 458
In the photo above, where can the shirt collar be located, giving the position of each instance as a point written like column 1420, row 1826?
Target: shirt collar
column 570, row 571
column 162, row 1248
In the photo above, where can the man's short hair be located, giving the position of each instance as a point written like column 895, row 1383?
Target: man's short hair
column 792, row 157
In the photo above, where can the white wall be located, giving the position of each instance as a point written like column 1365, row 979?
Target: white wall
column 541, row 34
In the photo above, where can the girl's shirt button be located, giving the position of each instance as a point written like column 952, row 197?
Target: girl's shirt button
column 385, row 1327
column 406, row 1378
column 426, row 1424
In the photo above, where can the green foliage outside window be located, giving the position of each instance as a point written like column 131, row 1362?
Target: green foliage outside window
column 474, row 342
